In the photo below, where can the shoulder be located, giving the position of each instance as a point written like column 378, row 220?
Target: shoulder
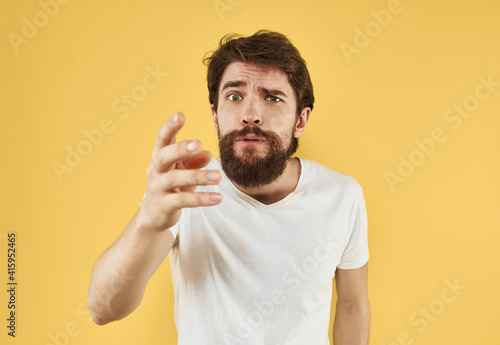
column 324, row 177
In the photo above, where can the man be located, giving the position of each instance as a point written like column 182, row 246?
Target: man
column 254, row 238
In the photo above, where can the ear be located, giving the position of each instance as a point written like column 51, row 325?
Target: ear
column 300, row 126
column 214, row 118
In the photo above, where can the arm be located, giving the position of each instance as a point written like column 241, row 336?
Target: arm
column 352, row 315
column 120, row 276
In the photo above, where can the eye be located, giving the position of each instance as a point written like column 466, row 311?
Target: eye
column 273, row 99
column 234, row 97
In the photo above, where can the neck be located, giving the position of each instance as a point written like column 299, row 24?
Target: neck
column 278, row 189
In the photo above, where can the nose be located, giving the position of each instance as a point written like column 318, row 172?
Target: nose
column 251, row 114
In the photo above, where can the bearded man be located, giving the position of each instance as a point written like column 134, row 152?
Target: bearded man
column 256, row 237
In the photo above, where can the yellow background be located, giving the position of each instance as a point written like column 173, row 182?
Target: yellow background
column 440, row 223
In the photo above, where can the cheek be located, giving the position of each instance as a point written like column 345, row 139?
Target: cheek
column 285, row 128
column 226, row 119
column 225, row 129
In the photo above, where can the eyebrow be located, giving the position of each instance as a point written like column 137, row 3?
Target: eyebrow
column 236, row 83
column 239, row 83
column 274, row 92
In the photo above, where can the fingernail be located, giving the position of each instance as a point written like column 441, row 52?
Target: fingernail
column 192, row 146
column 215, row 198
column 175, row 119
column 212, row 176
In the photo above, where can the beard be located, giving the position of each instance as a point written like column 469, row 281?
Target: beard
column 250, row 169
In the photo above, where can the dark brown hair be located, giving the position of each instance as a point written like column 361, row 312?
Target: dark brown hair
column 264, row 49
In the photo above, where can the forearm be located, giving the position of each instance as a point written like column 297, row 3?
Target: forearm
column 120, row 276
column 352, row 325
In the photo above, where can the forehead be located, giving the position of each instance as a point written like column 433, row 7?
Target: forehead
column 256, row 76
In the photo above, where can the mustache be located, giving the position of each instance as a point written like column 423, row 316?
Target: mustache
column 254, row 130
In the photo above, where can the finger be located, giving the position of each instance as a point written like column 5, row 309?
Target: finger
column 198, row 161
column 187, row 199
column 188, row 178
column 164, row 158
column 169, row 130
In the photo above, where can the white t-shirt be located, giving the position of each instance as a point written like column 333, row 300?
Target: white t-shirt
column 249, row 273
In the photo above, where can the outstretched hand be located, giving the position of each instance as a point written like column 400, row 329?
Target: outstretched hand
column 173, row 176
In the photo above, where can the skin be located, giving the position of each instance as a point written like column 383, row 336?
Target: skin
column 120, row 276
column 352, row 312
column 259, row 98
column 262, row 98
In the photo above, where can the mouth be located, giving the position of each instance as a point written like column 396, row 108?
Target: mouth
column 251, row 138
column 250, row 141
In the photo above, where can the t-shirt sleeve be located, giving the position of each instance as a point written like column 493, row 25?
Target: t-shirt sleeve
column 356, row 252
column 175, row 229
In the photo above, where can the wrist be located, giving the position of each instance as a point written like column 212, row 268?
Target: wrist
column 143, row 223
